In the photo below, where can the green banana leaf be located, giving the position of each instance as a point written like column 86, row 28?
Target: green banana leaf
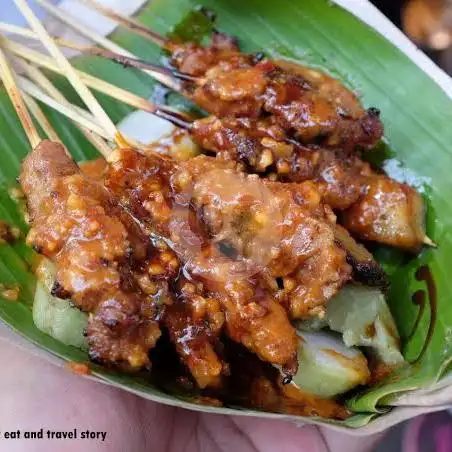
column 417, row 116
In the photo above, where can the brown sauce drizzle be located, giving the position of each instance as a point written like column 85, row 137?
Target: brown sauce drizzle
column 419, row 299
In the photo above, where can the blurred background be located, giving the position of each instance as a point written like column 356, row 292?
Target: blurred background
column 427, row 22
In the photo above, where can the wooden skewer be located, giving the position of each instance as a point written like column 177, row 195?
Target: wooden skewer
column 70, row 73
column 74, row 113
column 43, row 82
column 429, row 242
column 165, row 112
column 7, row 76
column 93, row 82
column 41, row 118
column 108, row 129
column 108, row 54
column 131, row 24
column 35, row 75
column 30, row 88
column 114, row 91
column 127, row 61
column 74, row 23
column 14, row 29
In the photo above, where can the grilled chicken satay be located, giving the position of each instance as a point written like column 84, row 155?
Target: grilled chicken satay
column 308, row 104
column 195, row 322
column 142, row 183
column 75, row 224
column 146, row 185
column 261, row 146
column 374, row 206
column 156, row 272
column 193, row 319
column 125, row 291
column 308, row 112
column 263, row 224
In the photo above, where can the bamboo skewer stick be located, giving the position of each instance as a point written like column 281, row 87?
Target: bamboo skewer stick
column 35, row 75
column 109, row 129
column 93, row 82
column 14, row 29
column 127, row 61
column 41, row 118
column 7, row 76
column 31, row 89
column 70, row 73
column 123, row 60
column 99, row 39
column 79, row 116
column 130, row 23
column 429, row 242
column 111, row 90
column 43, row 82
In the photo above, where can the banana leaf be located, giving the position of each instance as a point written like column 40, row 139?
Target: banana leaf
column 417, row 115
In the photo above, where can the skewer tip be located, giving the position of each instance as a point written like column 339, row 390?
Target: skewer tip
column 429, row 242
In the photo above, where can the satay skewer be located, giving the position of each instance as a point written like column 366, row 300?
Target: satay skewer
column 49, row 174
column 182, row 122
column 251, row 331
column 117, row 57
column 65, row 111
column 427, row 240
column 100, row 85
column 41, row 80
column 214, row 92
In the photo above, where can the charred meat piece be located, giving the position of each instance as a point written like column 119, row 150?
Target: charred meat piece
column 252, row 315
column 313, row 117
column 195, row 60
column 194, row 324
column 365, row 268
